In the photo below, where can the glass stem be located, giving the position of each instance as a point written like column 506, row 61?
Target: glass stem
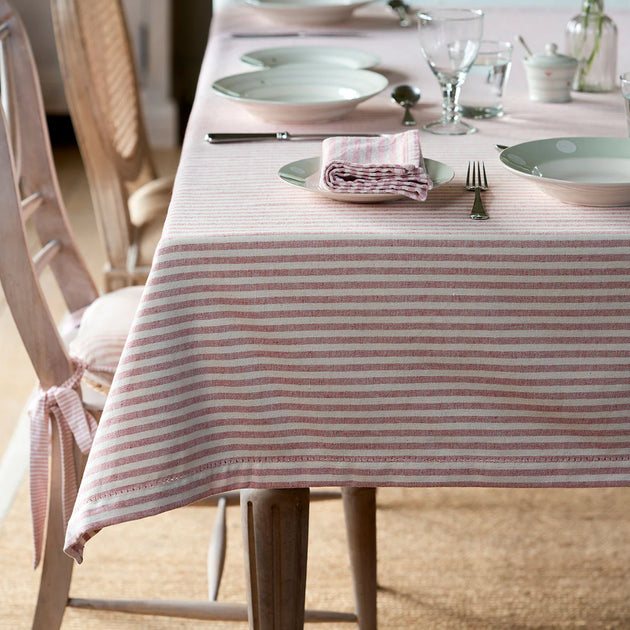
column 450, row 97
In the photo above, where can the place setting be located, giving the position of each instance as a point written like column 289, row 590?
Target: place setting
column 315, row 84
column 369, row 169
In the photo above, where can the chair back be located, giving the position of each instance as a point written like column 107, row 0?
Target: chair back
column 36, row 234
column 103, row 95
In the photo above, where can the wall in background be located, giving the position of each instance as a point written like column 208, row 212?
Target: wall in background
column 150, row 24
column 191, row 24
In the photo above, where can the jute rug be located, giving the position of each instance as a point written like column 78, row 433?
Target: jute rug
column 473, row 559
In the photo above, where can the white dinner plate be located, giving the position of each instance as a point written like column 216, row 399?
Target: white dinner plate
column 581, row 171
column 306, row 174
column 347, row 57
column 301, row 93
column 306, row 12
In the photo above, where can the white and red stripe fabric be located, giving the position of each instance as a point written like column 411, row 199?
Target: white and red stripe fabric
column 286, row 339
column 390, row 164
column 59, row 409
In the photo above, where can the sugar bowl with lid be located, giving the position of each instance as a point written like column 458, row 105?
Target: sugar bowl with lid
column 550, row 75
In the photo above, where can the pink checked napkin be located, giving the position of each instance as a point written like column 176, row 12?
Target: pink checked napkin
column 383, row 164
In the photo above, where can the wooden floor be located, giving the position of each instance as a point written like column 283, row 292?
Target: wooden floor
column 17, row 379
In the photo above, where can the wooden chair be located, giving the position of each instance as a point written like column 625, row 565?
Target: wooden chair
column 77, row 366
column 32, row 217
column 101, row 87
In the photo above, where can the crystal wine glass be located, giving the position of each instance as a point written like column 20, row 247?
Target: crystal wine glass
column 450, row 40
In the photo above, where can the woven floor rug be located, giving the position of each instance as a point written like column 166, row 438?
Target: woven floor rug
column 473, row 559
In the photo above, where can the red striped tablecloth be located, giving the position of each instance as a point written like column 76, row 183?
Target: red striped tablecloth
column 285, row 339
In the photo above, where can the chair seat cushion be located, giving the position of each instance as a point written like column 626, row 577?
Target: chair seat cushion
column 101, row 336
column 147, row 238
column 148, row 207
column 150, row 202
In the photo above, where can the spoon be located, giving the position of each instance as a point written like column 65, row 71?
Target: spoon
column 528, row 50
column 402, row 10
column 406, row 96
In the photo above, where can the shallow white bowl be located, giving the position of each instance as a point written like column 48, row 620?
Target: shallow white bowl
column 581, row 171
column 306, row 12
column 301, row 93
column 346, row 57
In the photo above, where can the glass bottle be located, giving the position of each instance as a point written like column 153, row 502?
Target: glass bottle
column 591, row 37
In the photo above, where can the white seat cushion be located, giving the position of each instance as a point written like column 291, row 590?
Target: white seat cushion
column 101, row 337
column 150, row 202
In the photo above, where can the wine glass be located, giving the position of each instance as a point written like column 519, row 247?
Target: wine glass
column 450, row 40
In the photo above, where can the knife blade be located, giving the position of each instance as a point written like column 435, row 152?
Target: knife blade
column 223, row 138
column 298, row 34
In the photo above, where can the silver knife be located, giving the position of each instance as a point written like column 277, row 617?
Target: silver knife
column 298, row 34
column 219, row 138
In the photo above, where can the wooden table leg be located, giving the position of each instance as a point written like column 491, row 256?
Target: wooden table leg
column 275, row 536
column 360, row 511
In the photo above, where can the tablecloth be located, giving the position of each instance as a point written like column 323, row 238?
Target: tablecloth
column 289, row 340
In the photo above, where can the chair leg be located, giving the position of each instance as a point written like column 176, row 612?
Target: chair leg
column 275, row 536
column 217, row 546
column 360, row 513
column 56, row 565
column 216, row 550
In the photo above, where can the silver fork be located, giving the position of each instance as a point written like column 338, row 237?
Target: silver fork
column 477, row 184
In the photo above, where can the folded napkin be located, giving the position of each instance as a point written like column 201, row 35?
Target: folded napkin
column 381, row 164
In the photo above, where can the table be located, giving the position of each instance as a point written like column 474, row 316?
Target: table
column 285, row 340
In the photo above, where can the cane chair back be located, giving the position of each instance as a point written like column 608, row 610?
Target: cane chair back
column 101, row 86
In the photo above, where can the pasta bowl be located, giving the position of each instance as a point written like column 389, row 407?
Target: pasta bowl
column 301, row 93
column 306, row 12
column 581, row 171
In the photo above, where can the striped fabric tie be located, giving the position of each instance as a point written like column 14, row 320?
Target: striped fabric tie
column 62, row 404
